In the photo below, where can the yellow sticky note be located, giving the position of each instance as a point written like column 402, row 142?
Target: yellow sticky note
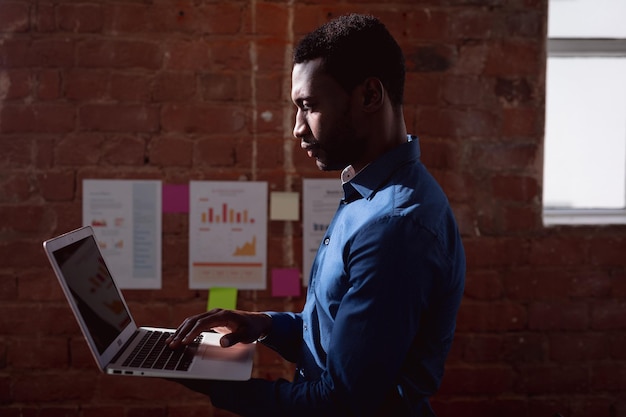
column 225, row 298
column 284, row 206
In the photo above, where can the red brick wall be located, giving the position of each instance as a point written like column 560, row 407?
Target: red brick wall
column 182, row 90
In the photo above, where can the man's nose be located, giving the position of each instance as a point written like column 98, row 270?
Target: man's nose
column 300, row 127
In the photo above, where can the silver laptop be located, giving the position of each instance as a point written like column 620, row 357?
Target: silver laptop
column 117, row 344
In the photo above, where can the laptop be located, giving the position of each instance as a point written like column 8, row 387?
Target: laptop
column 117, row 344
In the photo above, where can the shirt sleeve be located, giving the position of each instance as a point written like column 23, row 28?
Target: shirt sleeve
column 391, row 266
column 286, row 335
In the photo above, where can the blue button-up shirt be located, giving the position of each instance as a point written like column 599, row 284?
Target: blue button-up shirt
column 381, row 305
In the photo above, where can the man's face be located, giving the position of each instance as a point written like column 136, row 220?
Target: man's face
column 325, row 120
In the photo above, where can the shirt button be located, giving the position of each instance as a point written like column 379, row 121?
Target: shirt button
column 326, row 241
column 305, row 327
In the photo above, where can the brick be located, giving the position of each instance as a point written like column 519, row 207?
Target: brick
column 40, row 118
column 471, row 59
column 170, row 151
column 174, row 86
column 81, row 18
column 607, row 251
column 468, row 91
column 49, row 87
column 513, row 57
column 479, row 380
column 119, row 118
column 428, row 59
column 578, row 348
column 59, row 411
column 491, row 316
column 15, row 53
column 423, row 89
column 187, row 54
column 547, row 379
column 15, row 153
column 15, row 84
column 608, row 377
column 483, row 285
column 87, row 84
column 57, row 185
column 231, row 55
column 38, row 353
column 131, row 87
column 21, row 253
column 524, row 347
column 224, row 87
column 534, row 284
column 515, row 188
column 54, row 52
column 37, row 285
column 424, row 24
column 14, row 17
column 23, row 219
column 8, row 291
column 558, row 315
column 472, row 24
column 124, row 150
column 269, row 88
column 505, row 157
column 119, row 54
column 217, row 152
column 36, row 387
column 15, row 187
column 558, row 251
column 147, row 412
column 521, row 218
column 524, row 24
column 482, row 348
column 269, row 55
column 521, row 122
column 202, row 118
column 79, row 149
column 514, row 91
column 223, row 18
column 489, row 252
column 44, row 18
column 507, row 406
column 608, row 315
column 102, row 410
column 457, row 123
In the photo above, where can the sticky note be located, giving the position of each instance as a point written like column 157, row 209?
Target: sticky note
column 175, row 198
column 220, row 297
column 284, row 206
column 285, row 282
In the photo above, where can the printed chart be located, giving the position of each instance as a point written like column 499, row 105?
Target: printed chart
column 227, row 234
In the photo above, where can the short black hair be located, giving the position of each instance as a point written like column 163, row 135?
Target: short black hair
column 354, row 47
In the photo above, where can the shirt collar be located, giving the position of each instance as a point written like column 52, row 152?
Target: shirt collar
column 365, row 183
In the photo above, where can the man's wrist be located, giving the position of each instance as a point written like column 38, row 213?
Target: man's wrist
column 267, row 327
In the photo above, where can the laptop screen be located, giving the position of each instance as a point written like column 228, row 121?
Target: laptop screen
column 93, row 290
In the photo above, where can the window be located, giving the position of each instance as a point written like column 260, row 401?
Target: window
column 585, row 136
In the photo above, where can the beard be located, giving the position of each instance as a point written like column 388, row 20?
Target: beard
column 340, row 147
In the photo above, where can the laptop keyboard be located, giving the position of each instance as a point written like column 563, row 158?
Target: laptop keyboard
column 153, row 353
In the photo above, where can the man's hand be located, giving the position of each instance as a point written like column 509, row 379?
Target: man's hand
column 236, row 326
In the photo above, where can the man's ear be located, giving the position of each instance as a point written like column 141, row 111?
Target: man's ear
column 373, row 94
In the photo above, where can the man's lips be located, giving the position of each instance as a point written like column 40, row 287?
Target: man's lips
column 310, row 149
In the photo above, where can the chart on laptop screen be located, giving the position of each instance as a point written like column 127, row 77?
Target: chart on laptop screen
column 94, row 291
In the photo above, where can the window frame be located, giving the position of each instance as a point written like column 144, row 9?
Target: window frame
column 584, row 47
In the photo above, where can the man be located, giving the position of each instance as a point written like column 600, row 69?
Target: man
column 388, row 278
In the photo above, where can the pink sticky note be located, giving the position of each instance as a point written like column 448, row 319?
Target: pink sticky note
column 175, row 198
column 286, row 282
